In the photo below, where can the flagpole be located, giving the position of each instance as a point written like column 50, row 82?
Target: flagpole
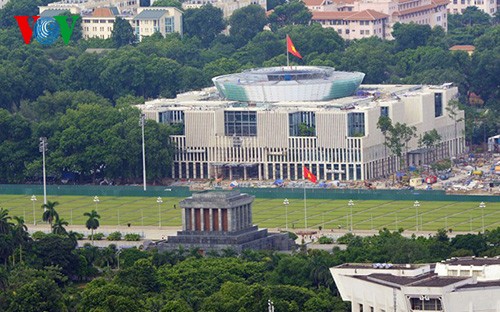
column 287, row 54
column 305, row 205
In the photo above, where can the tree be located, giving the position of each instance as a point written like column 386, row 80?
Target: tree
column 5, row 224
column 410, row 36
column 20, row 235
column 205, row 23
column 92, row 222
column 385, row 125
column 246, row 23
column 399, row 137
column 58, row 226
column 123, row 33
column 430, row 139
column 39, row 295
column 167, row 3
column 453, row 109
column 49, row 212
column 293, row 12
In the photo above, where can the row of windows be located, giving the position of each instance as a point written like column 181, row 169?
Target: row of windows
column 89, row 21
column 100, row 28
column 240, row 123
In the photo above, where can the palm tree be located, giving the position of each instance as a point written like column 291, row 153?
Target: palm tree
column 5, row 224
column 50, row 214
column 93, row 222
column 58, row 227
column 20, row 234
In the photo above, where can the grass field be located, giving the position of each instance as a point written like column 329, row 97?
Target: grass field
column 270, row 213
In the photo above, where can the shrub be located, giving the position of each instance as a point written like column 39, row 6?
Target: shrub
column 38, row 235
column 132, row 237
column 292, row 235
column 325, row 240
column 115, row 236
column 78, row 236
column 97, row 236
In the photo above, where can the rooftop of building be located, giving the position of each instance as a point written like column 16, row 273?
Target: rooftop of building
column 473, row 261
column 365, row 15
column 367, row 96
column 467, row 48
column 53, row 12
column 150, row 14
column 428, row 279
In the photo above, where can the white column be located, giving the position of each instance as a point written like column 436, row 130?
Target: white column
column 211, row 220
column 202, row 219
column 219, row 216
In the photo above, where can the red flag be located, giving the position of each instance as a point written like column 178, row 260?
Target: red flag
column 291, row 48
column 308, row 175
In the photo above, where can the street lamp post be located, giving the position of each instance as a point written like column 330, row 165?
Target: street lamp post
column 142, row 122
column 416, row 204
column 159, row 201
column 286, row 203
column 33, row 200
column 96, row 200
column 270, row 305
column 43, row 149
column 350, row 204
column 482, row 205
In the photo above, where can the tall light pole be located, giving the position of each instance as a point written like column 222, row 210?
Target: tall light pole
column 33, row 200
column 350, row 204
column 286, row 203
column 142, row 122
column 416, row 204
column 270, row 305
column 96, row 201
column 43, row 149
column 159, row 201
column 482, row 205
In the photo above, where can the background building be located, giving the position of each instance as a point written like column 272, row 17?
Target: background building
column 454, row 285
column 355, row 19
column 165, row 20
column 3, row 2
column 337, row 139
column 227, row 6
column 459, row 6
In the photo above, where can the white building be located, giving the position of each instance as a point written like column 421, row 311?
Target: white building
column 459, row 6
column 264, row 127
column 454, row 285
column 165, row 20
column 227, row 6
column 99, row 23
column 351, row 17
column 86, row 6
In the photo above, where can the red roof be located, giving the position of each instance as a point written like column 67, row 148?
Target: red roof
column 366, row 15
column 102, row 12
column 313, row 2
column 467, row 48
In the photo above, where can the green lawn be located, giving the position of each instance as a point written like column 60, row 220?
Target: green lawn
column 369, row 214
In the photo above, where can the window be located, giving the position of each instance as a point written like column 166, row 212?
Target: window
column 367, row 32
column 362, row 32
column 424, row 303
column 302, row 124
column 169, row 25
column 241, row 123
column 384, row 111
column 356, row 124
column 438, row 104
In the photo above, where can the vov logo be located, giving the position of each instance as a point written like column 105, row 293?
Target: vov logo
column 46, row 30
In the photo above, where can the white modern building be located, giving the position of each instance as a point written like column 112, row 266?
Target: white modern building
column 87, row 6
column 268, row 123
column 452, row 285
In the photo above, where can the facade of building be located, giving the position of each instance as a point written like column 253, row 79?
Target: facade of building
column 99, row 23
column 453, row 285
column 354, row 25
column 87, row 6
column 165, row 20
column 219, row 220
column 227, row 6
column 355, row 19
column 459, row 6
column 337, row 139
